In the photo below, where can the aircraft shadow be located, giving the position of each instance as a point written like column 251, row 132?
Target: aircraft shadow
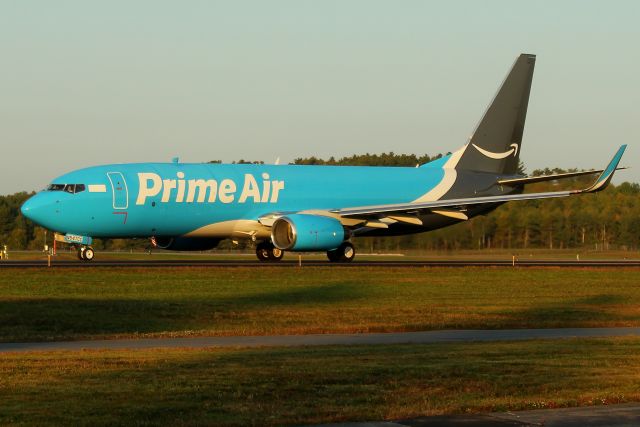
column 589, row 311
column 53, row 319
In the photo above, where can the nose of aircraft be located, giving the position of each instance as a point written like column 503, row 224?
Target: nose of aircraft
column 38, row 209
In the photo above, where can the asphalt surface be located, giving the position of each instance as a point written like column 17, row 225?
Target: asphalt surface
column 624, row 415
column 316, row 263
column 423, row 337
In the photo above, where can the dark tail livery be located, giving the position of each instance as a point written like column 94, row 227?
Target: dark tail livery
column 496, row 143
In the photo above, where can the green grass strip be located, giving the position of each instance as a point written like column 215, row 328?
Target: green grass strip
column 42, row 304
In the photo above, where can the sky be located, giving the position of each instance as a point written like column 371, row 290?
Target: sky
column 94, row 82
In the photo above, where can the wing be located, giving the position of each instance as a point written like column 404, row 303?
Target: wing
column 380, row 216
column 542, row 178
column 455, row 207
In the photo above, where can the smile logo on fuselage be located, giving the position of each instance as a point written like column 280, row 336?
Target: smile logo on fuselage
column 498, row 156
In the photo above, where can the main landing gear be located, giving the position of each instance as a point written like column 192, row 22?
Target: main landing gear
column 343, row 253
column 266, row 252
column 85, row 253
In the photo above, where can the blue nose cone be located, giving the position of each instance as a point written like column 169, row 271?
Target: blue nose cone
column 38, row 209
column 29, row 208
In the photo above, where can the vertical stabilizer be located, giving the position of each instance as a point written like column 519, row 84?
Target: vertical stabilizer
column 497, row 140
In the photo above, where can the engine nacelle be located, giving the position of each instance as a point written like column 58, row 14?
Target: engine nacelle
column 305, row 232
column 185, row 243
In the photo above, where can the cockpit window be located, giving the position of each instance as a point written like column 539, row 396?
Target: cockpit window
column 69, row 188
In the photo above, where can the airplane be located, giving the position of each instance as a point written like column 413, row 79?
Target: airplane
column 193, row 206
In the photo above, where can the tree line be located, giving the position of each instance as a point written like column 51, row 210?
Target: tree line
column 601, row 221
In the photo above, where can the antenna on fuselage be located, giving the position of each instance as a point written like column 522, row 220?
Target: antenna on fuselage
column 175, row 160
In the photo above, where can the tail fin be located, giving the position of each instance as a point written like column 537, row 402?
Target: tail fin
column 497, row 140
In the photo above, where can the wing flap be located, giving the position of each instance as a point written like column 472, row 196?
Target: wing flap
column 451, row 213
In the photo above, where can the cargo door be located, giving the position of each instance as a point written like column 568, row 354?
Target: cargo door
column 120, row 190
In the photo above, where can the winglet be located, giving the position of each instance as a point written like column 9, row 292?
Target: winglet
column 605, row 177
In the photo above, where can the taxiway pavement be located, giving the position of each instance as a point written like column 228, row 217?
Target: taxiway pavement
column 421, row 337
column 622, row 415
column 318, row 263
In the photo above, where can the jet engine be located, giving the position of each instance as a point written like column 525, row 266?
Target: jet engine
column 305, row 232
column 185, row 243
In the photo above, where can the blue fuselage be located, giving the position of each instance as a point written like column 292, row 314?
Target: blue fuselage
column 173, row 199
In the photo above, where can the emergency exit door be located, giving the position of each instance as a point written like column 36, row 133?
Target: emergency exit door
column 120, row 190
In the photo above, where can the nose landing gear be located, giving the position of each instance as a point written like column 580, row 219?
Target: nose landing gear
column 81, row 243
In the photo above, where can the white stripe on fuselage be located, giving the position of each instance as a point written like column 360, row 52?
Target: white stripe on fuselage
column 97, row 188
column 449, row 178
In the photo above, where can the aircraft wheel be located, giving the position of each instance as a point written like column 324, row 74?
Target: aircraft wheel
column 262, row 251
column 344, row 253
column 347, row 252
column 89, row 253
column 81, row 253
column 275, row 254
column 333, row 255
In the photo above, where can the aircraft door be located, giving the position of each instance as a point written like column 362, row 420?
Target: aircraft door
column 120, row 190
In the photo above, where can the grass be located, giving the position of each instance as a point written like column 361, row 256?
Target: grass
column 312, row 385
column 51, row 304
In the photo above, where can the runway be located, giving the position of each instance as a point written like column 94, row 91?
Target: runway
column 318, row 263
column 421, row 337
